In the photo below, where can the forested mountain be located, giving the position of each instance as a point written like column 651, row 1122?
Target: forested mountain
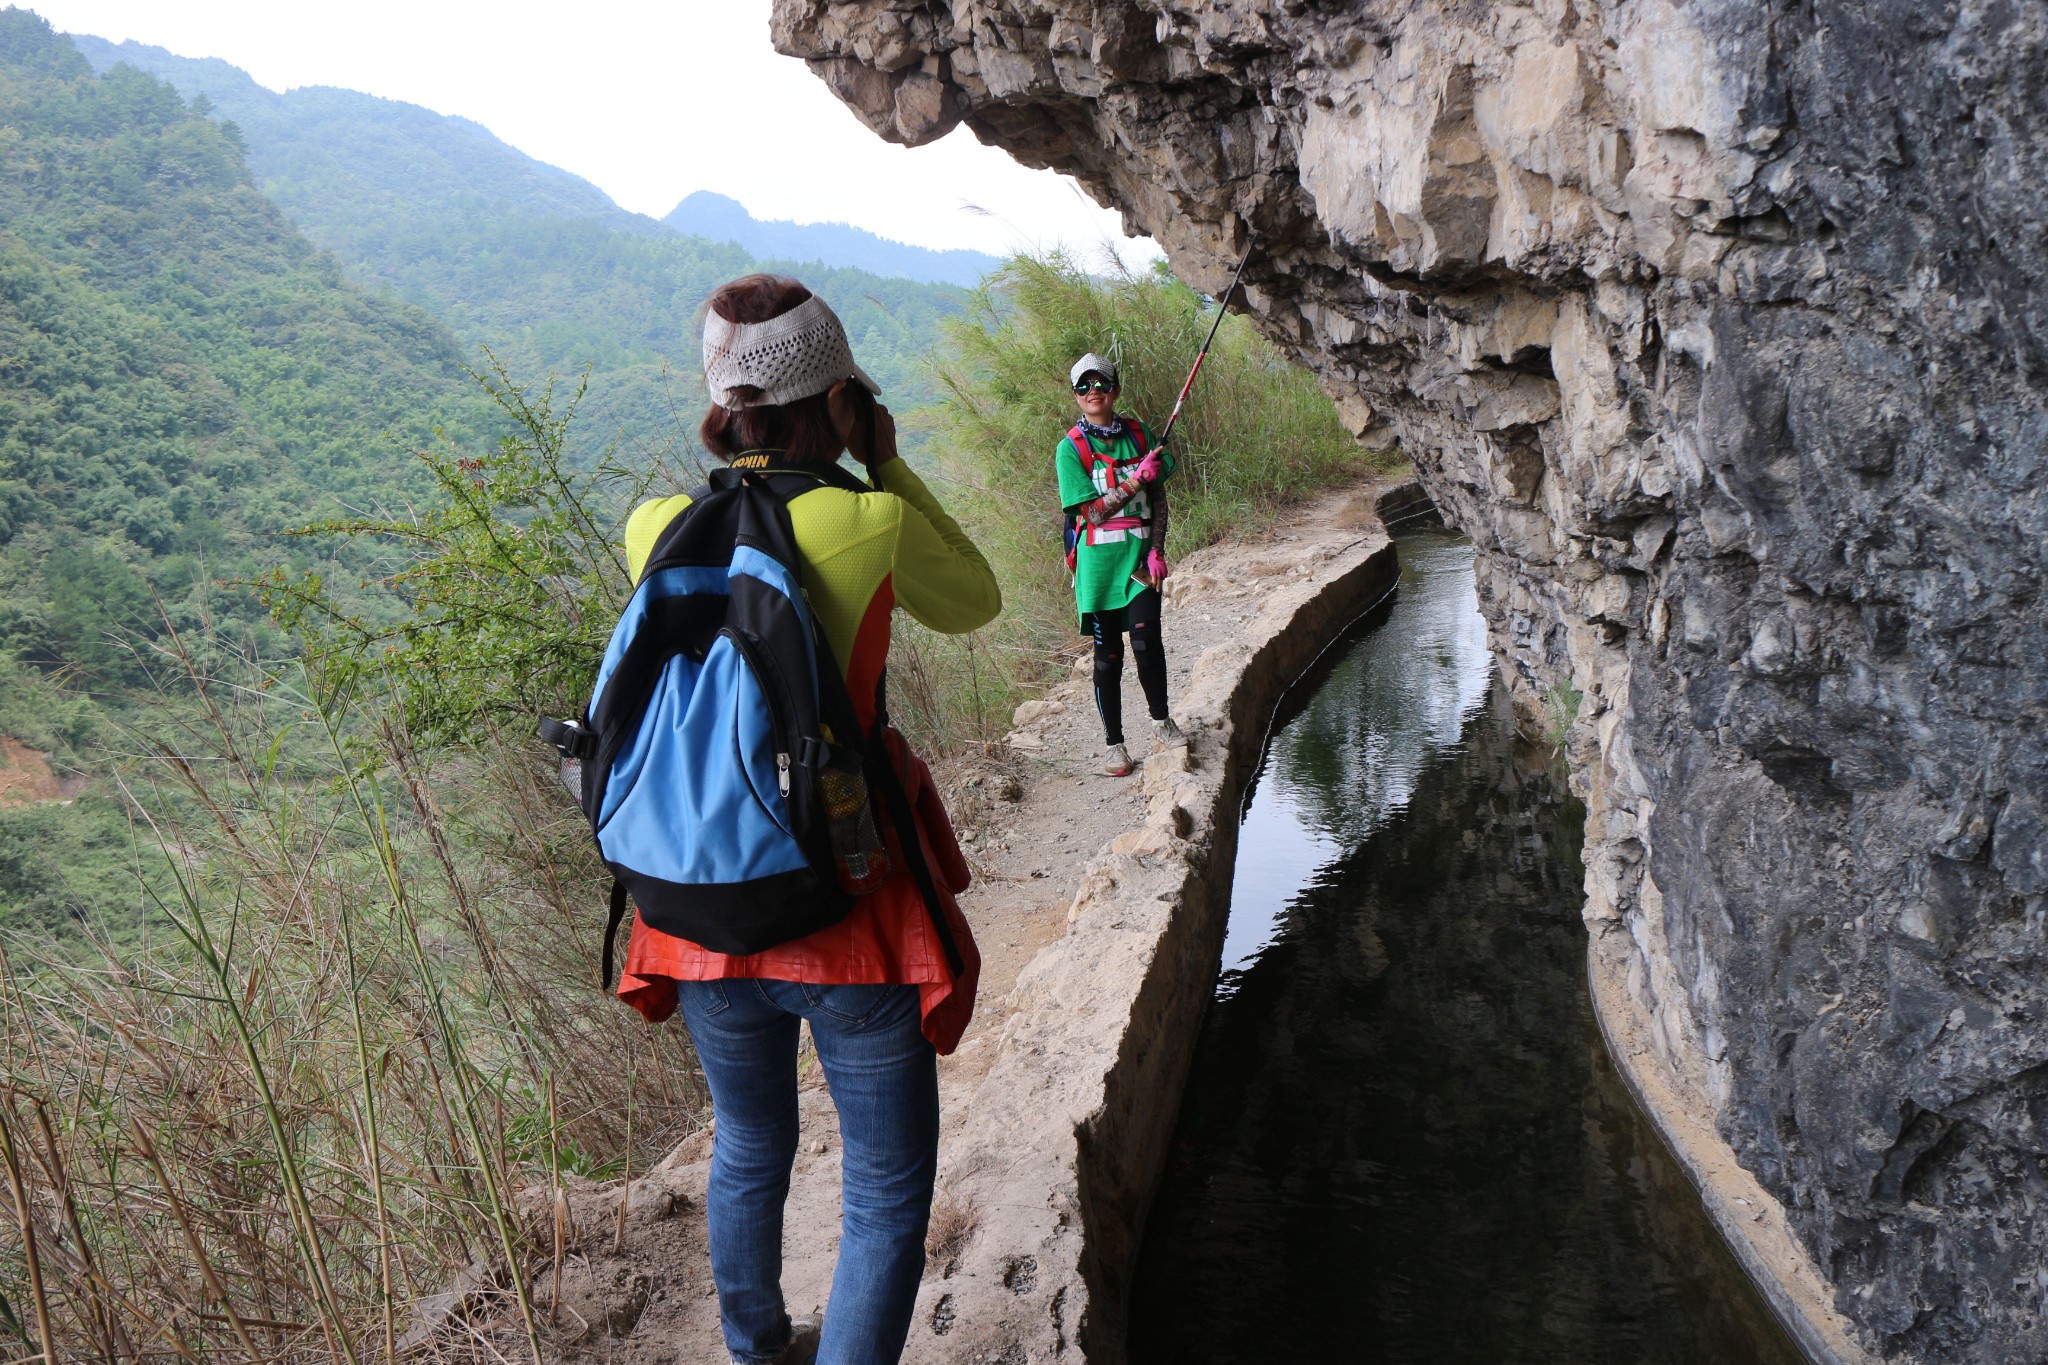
column 182, row 375
column 519, row 256
column 723, row 219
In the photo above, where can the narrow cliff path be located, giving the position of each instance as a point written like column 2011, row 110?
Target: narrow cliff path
column 638, row 1291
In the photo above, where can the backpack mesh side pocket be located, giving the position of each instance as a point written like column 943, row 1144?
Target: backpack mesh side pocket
column 859, row 856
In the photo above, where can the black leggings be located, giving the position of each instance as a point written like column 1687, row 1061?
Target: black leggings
column 1141, row 619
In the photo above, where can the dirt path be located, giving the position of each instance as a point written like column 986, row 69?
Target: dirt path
column 1029, row 824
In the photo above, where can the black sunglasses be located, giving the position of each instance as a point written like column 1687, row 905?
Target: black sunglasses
column 1096, row 386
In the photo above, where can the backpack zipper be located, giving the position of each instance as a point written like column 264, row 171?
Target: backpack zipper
column 781, row 711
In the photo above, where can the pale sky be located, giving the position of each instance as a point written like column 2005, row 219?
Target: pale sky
column 646, row 100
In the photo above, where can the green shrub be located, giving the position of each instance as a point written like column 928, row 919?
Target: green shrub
column 507, row 582
column 44, row 715
column 69, row 870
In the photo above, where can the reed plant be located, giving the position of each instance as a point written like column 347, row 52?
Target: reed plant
column 285, row 1121
column 306, row 1107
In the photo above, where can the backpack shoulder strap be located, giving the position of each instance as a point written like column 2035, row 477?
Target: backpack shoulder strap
column 1085, row 448
column 1139, row 434
column 836, row 475
column 782, row 482
column 611, row 929
column 667, row 534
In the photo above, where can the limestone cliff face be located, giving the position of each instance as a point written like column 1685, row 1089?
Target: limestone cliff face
column 1721, row 326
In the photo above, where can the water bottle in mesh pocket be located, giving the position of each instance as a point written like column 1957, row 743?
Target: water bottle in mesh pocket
column 858, row 854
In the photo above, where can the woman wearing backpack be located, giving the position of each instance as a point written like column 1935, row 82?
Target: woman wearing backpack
column 1112, row 487
column 881, row 997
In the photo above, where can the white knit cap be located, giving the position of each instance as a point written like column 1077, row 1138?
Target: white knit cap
column 1091, row 361
column 797, row 354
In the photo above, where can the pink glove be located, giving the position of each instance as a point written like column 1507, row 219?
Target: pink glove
column 1151, row 467
column 1155, row 565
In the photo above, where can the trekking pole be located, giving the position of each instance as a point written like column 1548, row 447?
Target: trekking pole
column 1222, row 306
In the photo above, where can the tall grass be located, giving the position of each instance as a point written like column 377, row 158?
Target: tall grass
column 1256, row 437
column 367, row 1013
column 268, row 1134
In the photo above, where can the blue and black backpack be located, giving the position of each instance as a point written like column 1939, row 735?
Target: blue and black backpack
column 723, row 769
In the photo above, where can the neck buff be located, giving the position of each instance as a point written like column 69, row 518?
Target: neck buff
column 791, row 356
column 1109, row 432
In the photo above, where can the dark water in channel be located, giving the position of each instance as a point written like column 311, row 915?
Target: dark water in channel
column 1402, row 1140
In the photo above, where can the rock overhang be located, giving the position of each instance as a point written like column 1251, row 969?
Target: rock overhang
column 1721, row 328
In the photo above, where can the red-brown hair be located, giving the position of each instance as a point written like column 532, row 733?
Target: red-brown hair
column 803, row 430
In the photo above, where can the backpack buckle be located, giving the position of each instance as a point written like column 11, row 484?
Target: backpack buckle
column 569, row 737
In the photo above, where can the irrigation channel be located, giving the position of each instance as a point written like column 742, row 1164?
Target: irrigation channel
column 1402, row 1138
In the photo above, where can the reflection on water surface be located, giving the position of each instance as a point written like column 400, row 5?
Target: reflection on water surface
column 1343, row 764
column 1402, row 1140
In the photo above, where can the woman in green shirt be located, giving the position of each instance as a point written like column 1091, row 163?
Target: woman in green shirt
column 1113, row 486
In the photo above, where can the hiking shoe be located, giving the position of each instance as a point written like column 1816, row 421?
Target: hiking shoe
column 1117, row 762
column 803, row 1342
column 1167, row 733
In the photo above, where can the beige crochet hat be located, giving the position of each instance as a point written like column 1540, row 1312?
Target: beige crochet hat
column 797, row 354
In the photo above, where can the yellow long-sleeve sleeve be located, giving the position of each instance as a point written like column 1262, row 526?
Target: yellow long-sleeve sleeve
column 941, row 577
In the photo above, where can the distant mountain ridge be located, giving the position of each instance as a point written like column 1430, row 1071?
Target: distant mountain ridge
column 365, row 153
column 327, row 136
column 724, row 219
column 523, row 258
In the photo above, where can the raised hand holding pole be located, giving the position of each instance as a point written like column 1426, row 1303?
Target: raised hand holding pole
column 1155, row 563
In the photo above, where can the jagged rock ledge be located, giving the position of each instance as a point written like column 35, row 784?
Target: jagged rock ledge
column 1067, row 1133
column 1721, row 326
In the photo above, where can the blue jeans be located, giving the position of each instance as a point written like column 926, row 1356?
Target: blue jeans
column 885, row 1082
